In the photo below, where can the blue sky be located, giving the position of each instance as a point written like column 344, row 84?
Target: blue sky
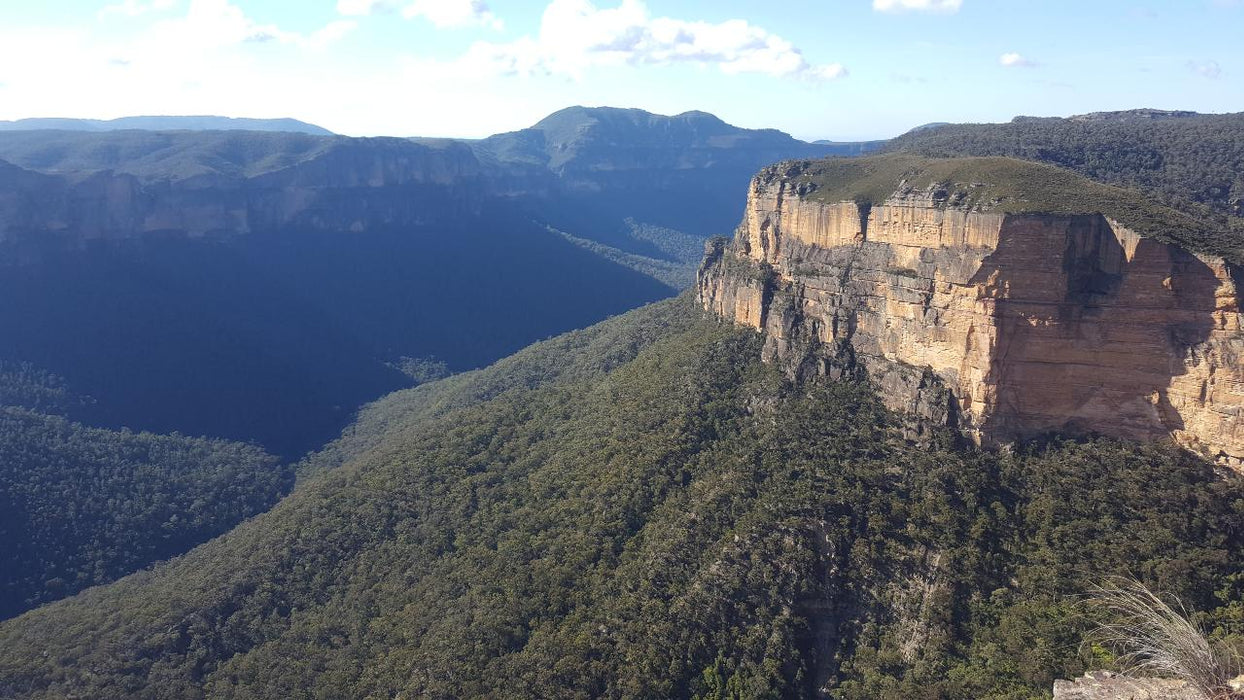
column 838, row 69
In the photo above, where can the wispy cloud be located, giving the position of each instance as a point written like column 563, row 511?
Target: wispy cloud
column 454, row 13
column 134, row 8
column 329, row 34
column 359, row 8
column 210, row 24
column 575, row 36
column 1206, row 69
column 1016, row 60
column 442, row 13
column 947, row 6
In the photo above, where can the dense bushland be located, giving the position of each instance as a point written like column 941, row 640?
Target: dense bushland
column 643, row 509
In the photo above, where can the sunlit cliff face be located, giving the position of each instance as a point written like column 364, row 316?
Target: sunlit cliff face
column 1034, row 323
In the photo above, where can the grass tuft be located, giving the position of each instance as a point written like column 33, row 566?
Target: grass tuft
column 1153, row 638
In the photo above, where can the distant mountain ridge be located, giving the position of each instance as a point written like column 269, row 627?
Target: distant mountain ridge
column 165, row 123
column 154, row 156
column 686, row 172
column 572, row 140
column 584, row 139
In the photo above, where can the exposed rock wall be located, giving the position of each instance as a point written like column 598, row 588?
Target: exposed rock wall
column 1031, row 322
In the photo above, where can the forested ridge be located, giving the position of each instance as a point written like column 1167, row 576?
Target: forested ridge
column 80, row 506
column 644, row 509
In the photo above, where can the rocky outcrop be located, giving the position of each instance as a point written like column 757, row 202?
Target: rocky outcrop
column 1005, row 324
column 1102, row 685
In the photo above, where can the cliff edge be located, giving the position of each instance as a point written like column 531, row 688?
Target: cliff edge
column 1003, row 297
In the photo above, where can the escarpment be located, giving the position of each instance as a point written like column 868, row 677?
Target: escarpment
column 989, row 306
column 341, row 185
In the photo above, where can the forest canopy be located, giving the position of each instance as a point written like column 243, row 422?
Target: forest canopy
column 644, row 509
column 80, row 506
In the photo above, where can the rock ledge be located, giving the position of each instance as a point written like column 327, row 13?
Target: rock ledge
column 1104, row 685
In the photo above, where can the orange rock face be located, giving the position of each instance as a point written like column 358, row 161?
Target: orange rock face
column 1034, row 323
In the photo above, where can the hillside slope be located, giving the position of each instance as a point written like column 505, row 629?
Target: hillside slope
column 644, row 509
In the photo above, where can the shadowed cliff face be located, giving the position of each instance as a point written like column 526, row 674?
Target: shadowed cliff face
column 1008, row 325
column 1097, row 336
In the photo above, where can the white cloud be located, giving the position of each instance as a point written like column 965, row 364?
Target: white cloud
column 207, row 58
column 210, row 24
column 947, row 6
column 1015, row 60
column 442, row 13
column 830, row 71
column 134, row 8
column 1206, row 69
column 329, row 34
column 454, row 13
column 359, row 8
column 575, row 35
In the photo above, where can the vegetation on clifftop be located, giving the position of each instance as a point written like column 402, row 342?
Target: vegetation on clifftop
column 1004, row 185
column 1192, row 162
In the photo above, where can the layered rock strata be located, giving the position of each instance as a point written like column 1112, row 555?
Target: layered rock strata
column 1007, row 325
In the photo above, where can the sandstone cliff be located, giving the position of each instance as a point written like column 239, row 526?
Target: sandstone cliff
column 990, row 307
